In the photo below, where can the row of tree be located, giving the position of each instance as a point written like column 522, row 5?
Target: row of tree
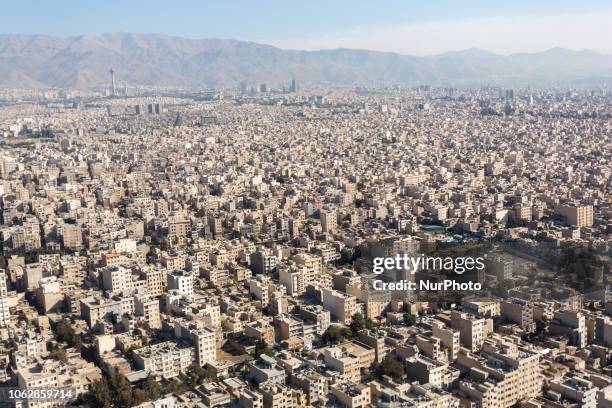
column 336, row 334
column 117, row 391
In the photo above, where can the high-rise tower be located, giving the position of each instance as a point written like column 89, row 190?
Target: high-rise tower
column 5, row 314
column 112, row 72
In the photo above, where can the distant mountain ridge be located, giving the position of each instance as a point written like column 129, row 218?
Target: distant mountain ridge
column 38, row 61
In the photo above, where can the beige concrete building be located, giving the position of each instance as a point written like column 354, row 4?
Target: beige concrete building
column 293, row 278
column 349, row 359
column 449, row 338
column 147, row 306
column 425, row 370
column 329, row 220
column 250, row 399
column 201, row 337
column 472, row 330
column 501, row 375
column 576, row 215
column 156, row 281
column 519, row 311
column 95, row 308
column 341, row 305
column 570, row 323
column 165, row 360
column 574, row 390
column 72, row 236
column 482, row 307
column 352, row 395
column 117, row 279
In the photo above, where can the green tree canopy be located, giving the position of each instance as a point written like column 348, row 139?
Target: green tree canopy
column 409, row 319
column 333, row 335
column 358, row 323
column 151, row 388
column 390, row 367
column 196, row 375
column 262, row 347
column 99, row 394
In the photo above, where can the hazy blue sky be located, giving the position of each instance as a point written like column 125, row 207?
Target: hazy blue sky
column 410, row 27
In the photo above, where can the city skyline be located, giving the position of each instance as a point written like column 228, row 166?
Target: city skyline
column 407, row 204
column 284, row 248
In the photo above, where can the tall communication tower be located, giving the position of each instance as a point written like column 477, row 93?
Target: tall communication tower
column 112, row 72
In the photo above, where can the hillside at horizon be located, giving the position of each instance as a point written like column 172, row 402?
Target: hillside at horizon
column 40, row 61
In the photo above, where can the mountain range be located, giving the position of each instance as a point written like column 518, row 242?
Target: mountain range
column 41, row 61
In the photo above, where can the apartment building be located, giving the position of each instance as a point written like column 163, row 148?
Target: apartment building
column 352, row 395
column 165, row 360
column 519, row 311
column 181, row 281
column 117, row 279
column 576, row 215
column 472, row 330
column 501, row 375
column 147, row 306
column 570, row 323
column 201, row 337
column 341, row 306
column 349, row 359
